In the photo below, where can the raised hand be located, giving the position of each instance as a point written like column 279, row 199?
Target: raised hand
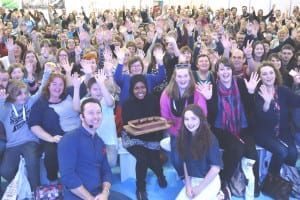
column 86, row 66
column 159, row 55
column 66, row 66
column 49, row 67
column 3, row 94
column 108, row 69
column 100, row 76
column 205, row 89
column 265, row 94
column 226, row 42
column 248, row 49
column 76, row 80
column 30, row 46
column 9, row 44
column 171, row 40
column 84, row 36
column 252, row 83
column 120, row 55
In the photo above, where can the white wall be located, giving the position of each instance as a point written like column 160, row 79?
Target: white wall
column 284, row 5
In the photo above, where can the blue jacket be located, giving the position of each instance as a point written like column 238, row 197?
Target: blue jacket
column 82, row 161
column 265, row 122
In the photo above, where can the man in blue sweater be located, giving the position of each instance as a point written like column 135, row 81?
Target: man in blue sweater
column 83, row 164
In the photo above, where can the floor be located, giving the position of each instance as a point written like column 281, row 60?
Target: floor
column 127, row 187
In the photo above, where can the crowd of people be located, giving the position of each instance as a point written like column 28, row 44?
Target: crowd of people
column 221, row 80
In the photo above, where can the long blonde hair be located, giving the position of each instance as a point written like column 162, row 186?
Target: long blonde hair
column 172, row 88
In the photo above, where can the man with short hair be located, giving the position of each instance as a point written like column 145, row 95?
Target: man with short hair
column 83, row 165
column 287, row 57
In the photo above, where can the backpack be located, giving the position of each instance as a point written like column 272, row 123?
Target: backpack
column 291, row 174
column 238, row 182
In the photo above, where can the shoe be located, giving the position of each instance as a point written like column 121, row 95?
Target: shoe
column 256, row 190
column 141, row 195
column 162, row 182
column 226, row 192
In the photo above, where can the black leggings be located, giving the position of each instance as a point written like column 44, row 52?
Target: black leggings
column 50, row 160
column 234, row 150
column 145, row 158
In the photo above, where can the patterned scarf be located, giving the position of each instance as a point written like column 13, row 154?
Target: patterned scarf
column 231, row 108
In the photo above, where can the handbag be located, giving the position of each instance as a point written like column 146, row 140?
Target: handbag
column 238, row 182
column 291, row 174
column 49, row 192
column 277, row 187
column 19, row 187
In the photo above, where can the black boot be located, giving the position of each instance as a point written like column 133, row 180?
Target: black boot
column 141, row 195
column 256, row 190
column 162, row 182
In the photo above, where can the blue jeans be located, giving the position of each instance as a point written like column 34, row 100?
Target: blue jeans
column 2, row 148
column 282, row 152
column 175, row 159
column 30, row 152
column 297, row 138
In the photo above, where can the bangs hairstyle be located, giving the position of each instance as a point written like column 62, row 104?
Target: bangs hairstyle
column 14, row 66
column 156, row 46
column 38, row 68
column 14, row 89
column 201, row 140
column 46, row 93
column 203, row 56
column 135, row 59
column 278, row 77
column 225, row 61
column 108, row 84
column 59, row 51
column 172, row 88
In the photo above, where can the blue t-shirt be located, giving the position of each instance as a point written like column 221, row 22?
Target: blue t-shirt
column 199, row 168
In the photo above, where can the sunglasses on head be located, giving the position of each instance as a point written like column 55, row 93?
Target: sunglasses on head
column 183, row 65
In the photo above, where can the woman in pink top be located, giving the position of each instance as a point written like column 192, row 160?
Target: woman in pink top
column 180, row 92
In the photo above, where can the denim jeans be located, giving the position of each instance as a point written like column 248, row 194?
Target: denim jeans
column 282, row 152
column 297, row 138
column 2, row 148
column 30, row 152
column 175, row 159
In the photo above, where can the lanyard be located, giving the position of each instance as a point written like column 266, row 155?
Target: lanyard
column 16, row 113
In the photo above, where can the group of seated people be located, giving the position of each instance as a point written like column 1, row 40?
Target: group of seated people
column 221, row 80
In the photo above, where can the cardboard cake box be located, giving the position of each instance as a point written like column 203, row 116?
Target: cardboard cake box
column 146, row 125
